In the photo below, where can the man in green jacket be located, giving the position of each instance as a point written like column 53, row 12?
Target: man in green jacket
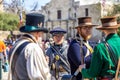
column 106, row 54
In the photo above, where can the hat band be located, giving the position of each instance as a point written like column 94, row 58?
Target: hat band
column 88, row 23
column 29, row 28
column 110, row 24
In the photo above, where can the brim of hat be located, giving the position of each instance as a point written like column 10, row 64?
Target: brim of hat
column 22, row 29
column 108, row 28
column 58, row 32
column 93, row 25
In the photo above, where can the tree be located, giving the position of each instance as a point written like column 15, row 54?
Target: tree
column 8, row 21
column 116, row 12
column 1, row 1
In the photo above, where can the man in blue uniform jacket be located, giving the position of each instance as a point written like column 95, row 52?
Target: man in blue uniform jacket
column 80, row 48
column 57, row 53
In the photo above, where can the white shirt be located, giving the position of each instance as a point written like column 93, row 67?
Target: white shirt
column 37, row 66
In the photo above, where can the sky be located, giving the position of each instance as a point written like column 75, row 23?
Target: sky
column 43, row 2
column 40, row 3
column 28, row 4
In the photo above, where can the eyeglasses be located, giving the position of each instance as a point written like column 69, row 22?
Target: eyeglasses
column 87, row 27
column 58, row 34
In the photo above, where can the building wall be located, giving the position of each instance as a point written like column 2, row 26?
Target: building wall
column 1, row 6
column 4, row 34
column 94, row 11
column 69, row 21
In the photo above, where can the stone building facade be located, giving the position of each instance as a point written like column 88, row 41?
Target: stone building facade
column 64, row 13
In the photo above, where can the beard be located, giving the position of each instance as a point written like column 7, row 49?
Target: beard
column 86, row 37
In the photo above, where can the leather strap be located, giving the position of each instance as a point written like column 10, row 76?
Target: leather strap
column 57, row 52
column 111, row 54
column 89, row 47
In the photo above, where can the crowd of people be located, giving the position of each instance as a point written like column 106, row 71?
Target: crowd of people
column 32, row 59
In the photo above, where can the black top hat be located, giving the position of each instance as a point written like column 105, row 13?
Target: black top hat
column 58, row 30
column 34, row 22
column 85, row 21
column 108, row 22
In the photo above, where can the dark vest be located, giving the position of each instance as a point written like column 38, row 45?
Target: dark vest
column 18, row 67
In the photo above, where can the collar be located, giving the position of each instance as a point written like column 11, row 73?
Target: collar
column 29, row 37
column 58, row 44
column 79, row 38
column 112, row 35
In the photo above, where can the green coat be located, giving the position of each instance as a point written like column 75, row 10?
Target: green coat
column 100, row 62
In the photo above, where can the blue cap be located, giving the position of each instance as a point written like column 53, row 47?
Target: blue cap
column 58, row 30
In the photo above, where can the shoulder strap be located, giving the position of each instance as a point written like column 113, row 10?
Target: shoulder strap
column 63, row 49
column 111, row 53
column 89, row 47
column 61, row 58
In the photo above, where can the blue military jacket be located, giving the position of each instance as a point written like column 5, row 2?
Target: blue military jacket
column 74, row 56
column 63, row 48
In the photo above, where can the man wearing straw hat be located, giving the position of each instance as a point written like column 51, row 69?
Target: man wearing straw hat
column 27, row 60
column 106, row 54
column 80, row 48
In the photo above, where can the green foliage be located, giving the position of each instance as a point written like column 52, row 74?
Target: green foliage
column 8, row 21
column 119, row 31
column 116, row 11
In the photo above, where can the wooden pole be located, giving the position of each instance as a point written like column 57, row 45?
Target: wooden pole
column 117, row 71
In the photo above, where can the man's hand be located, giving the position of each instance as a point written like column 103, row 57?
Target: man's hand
column 47, row 59
column 81, row 67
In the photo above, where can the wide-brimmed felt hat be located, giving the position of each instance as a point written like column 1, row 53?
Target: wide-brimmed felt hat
column 108, row 22
column 34, row 22
column 85, row 21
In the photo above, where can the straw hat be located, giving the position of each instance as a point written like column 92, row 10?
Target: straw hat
column 109, row 22
column 85, row 21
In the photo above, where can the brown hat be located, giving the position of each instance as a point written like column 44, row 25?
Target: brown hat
column 108, row 22
column 85, row 21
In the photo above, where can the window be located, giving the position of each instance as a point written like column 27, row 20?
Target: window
column 75, row 15
column 59, row 14
column 48, row 15
column 69, row 12
column 86, row 12
column 117, row 0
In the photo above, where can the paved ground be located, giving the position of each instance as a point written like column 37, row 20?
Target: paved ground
column 4, row 75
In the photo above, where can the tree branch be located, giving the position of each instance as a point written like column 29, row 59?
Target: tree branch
column 1, row 1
